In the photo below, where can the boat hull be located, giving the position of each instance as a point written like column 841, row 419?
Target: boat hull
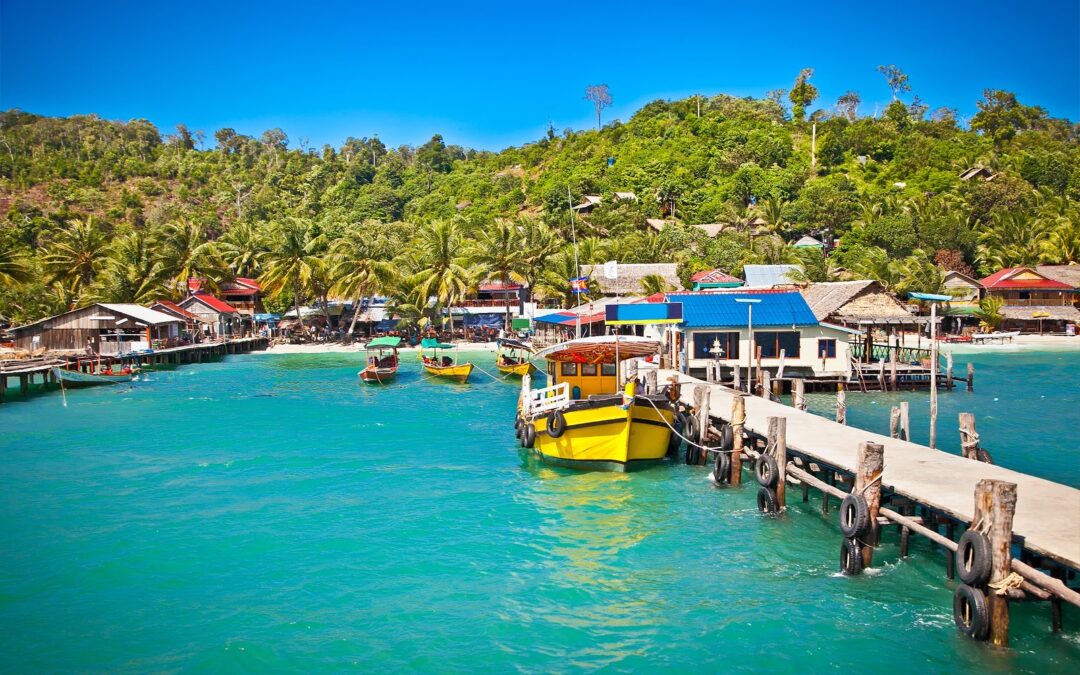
column 517, row 369
column 378, row 375
column 603, row 436
column 458, row 373
column 75, row 378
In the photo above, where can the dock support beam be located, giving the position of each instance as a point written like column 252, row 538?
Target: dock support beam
column 905, row 421
column 841, row 404
column 870, row 462
column 894, row 422
column 738, row 422
column 778, row 450
column 701, row 403
column 971, row 378
column 969, row 438
column 995, row 501
column 799, row 393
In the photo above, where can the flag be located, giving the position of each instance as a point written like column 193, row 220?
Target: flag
column 611, row 270
column 579, row 284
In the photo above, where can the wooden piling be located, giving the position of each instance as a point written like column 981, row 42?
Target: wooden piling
column 971, row 377
column 969, row 438
column 892, row 367
column 738, row 421
column 701, row 403
column 905, row 421
column 799, row 393
column 995, row 503
column 841, row 404
column 881, row 376
column 870, row 462
column 948, row 371
column 778, row 449
column 894, row 422
column 757, row 351
column 650, row 381
column 737, row 377
column 766, row 383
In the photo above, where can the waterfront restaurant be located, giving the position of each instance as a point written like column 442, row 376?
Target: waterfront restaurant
column 220, row 319
column 108, row 328
column 1031, row 301
column 781, row 323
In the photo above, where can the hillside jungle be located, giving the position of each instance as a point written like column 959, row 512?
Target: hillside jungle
column 116, row 211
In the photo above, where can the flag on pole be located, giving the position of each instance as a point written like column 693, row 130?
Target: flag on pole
column 579, row 284
column 611, row 270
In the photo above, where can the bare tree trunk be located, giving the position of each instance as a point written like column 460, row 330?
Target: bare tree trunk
column 296, row 305
column 506, row 296
column 356, row 310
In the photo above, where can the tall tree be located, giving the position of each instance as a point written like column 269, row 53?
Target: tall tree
column 497, row 251
column 77, row 256
column 187, row 254
column 359, row 267
column 600, row 96
column 14, row 267
column 440, row 249
column 897, row 79
column 802, row 94
column 848, row 105
column 293, row 261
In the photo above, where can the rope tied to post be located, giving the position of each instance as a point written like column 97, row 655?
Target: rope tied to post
column 1002, row 586
column 706, row 448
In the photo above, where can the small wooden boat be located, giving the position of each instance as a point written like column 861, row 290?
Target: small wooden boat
column 514, row 361
column 77, row 378
column 443, row 367
column 381, row 366
column 585, row 420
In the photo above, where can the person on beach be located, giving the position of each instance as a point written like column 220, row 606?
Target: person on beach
column 89, row 346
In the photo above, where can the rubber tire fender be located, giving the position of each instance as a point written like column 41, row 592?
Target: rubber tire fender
column 727, row 437
column 556, row 424
column 766, row 471
column 692, row 430
column 518, row 422
column 851, row 557
column 971, row 612
column 766, row 500
column 674, row 441
column 983, row 455
column 722, row 468
column 854, row 516
column 528, row 435
column 973, row 558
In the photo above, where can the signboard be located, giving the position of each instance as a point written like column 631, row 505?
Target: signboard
column 645, row 313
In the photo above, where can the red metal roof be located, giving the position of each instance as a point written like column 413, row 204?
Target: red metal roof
column 213, row 303
column 240, row 286
column 1003, row 279
column 171, row 306
column 715, row 277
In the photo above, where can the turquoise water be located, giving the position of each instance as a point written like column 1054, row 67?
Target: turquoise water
column 270, row 513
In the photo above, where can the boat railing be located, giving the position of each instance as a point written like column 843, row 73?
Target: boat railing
column 544, row 400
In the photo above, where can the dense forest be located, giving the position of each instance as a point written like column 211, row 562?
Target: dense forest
column 101, row 210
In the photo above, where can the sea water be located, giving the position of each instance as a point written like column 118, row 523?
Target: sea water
column 270, row 512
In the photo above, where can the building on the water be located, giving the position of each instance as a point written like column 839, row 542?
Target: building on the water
column 106, row 328
column 1032, row 301
column 716, row 327
column 219, row 318
column 192, row 322
column 242, row 294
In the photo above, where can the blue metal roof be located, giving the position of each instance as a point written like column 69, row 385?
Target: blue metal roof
column 719, row 310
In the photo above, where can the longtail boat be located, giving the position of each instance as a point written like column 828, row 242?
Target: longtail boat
column 515, row 360
column 381, row 366
column 584, row 420
column 77, row 378
column 443, row 367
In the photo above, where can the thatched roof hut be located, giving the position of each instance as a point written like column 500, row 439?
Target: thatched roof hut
column 1066, row 274
column 853, row 303
column 630, row 277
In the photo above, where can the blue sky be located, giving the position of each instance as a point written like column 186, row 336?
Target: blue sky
column 492, row 74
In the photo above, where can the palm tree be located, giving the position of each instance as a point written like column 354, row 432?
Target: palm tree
column 918, row 273
column 538, row 243
column 440, row 249
column 356, row 269
column 554, row 281
column 77, row 256
column 133, row 272
column 293, row 261
column 14, row 269
column 243, row 248
column 772, row 212
column 1012, row 239
column 497, row 251
column 989, row 312
column 654, row 283
column 1063, row 244
column 187, row 254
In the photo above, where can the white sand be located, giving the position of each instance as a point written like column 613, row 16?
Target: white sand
column 1019, row 343
column 337, row 348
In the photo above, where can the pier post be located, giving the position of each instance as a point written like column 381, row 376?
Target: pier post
column 24, row 385
column 841, row 404
column 737, row 377
column 881, row 376
column 710, row 374
column 995, row 503
column 766, row 384
column 894, row 422
column 738, row 421
column 892, row 366
column 971, row 378
column 757, row 351
column 948, row 371
column 701, row 402
column 650, row 381
column 870, row 462
column 905, row 421
column 778, row 449
column 969, row 438
column 798, row 386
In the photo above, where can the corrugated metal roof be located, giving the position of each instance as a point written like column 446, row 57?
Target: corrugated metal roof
column 720, row 310
column 140, row 313
column 769, row 275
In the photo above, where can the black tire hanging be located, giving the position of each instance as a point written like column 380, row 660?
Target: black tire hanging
column 692, row 429
column 854, row 516
column 970, row 612
column 766, row 500
column 973, row 558
column 766, row 471
column 556, row 424
column 517, row 423
column 528, row 435
column 722, row 468
column 727, row 437
column 692, row 453
column 851, row 557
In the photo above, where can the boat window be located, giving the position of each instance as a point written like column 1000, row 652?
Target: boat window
column 569, row 369
column 771, row 342
column 588, row 369
column 607, row 369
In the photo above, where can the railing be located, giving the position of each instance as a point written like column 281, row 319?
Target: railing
column 884, row 353
column 540, row 401
column 489, row 303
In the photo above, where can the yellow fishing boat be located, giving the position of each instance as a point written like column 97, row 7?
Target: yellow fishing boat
column 443, row 367
column 514, row 361
column 584, row 419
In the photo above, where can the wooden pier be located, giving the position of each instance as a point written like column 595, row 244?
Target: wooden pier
column 1038, row 518
column 27, row 370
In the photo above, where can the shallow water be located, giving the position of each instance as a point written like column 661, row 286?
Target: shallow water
column 271, row 513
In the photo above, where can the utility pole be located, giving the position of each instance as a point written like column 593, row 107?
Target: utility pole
column 813, row 148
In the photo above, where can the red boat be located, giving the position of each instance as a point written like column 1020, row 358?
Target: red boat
column 382, row 365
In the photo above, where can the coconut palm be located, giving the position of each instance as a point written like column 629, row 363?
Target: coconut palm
column 357, row 269
column 293, row 261
column 652, row 284
column 1012, row 239
column 989, row 312
column 918, row 273
column 772, row 212
column 440, row 251
column 133, row 273
column 77, row 256
column 554, row 281
column 1063, row 244
column 497, row 251
column 538, row 243
column 187, row 254
column 14, row 268
column 243, row 249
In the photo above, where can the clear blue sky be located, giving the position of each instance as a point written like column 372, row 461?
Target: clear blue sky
column 493, row 74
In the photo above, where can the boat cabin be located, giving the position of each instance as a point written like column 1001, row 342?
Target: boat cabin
column 590, row 366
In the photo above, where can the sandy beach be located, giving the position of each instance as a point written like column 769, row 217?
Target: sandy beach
column 338, row 348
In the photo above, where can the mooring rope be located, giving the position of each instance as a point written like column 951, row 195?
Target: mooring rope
column 675, row 431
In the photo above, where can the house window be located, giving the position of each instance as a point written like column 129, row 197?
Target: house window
column 607, row 369
column 568, row 369
column 826, row 348
column 772, row 342
column 703, row 344
column 588, row 369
